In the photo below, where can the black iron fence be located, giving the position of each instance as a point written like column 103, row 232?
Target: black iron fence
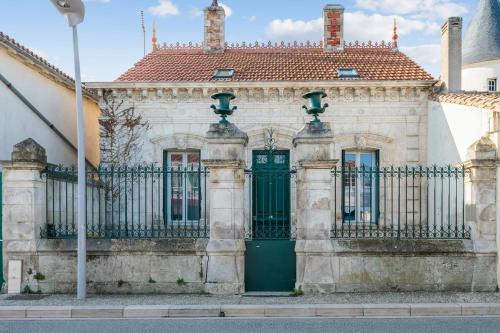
column 129, row 202
column 399, row 203
column 153, row 202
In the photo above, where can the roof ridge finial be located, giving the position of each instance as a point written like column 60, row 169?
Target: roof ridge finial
column 395, row 35
column 154, row 39
column 215, row 3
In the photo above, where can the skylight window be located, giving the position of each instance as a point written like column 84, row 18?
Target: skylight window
column 347, row 73
column 223, row 74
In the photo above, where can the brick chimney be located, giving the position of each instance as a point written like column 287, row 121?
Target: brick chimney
column 333, row 39
column 215, row 17
column 451, row 54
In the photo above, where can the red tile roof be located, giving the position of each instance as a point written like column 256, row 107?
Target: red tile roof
column 483, row 100
column 11, row 43
column 275, row 63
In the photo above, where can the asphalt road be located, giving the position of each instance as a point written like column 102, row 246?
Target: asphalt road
column 257, row 325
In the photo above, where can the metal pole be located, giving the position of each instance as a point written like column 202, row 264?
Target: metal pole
column 82, row 229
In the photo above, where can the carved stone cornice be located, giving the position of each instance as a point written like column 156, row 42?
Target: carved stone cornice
column 362, row 93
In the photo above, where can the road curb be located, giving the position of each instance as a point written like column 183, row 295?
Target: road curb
column 242, row 310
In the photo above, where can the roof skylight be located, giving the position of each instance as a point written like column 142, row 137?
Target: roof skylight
column 348, row 73
column 223, row 74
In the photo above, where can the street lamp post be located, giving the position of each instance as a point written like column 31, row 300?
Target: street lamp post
column 74, row 10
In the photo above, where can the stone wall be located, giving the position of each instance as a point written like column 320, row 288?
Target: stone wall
column 120, row 266
column 155, row 267
column 407, row 265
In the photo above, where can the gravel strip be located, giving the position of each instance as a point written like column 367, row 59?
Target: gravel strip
column 340, row 298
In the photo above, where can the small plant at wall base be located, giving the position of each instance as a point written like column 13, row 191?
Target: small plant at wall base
column 39, row 276
column 27, row 290
column 181, row 282
column 297, row 292
column 120, row 283
column 151, row 280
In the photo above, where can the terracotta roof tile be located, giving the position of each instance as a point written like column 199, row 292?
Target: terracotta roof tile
column 483, row 100
column 12, row 43
column 275, row 63
column 26, row 52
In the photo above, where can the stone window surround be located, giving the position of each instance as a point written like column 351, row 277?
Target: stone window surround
column 352, row 141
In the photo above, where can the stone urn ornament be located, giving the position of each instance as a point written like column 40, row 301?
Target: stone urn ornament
column 315, row 108
column 224, row 108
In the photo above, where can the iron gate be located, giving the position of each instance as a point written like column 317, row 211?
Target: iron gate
column 270, row 248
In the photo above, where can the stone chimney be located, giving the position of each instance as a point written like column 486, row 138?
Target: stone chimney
column 451, row 54
column 215, row 17
column 333, row 39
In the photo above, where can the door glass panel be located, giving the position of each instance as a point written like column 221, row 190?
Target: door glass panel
column 261, row 159
column 279, row 159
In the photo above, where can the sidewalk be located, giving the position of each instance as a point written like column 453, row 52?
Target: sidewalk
column 336, row 305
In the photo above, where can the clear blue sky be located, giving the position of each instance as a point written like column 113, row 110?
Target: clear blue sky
column 111, row 36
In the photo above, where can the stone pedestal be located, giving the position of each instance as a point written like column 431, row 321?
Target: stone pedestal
column 315, row 267
column 23, row 205
column 481, row 197
column 224, row 155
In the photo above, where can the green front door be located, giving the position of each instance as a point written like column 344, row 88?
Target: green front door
column 270, row 255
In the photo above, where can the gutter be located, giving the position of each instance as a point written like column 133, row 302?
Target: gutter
column 39, row 114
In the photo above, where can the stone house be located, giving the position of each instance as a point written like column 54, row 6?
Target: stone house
column 270, row 197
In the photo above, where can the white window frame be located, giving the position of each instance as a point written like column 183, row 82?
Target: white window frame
column 185, row 205
column 492, row 85
column 359, row 188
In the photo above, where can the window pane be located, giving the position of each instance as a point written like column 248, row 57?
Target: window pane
column 359, row 182
column 193, row 159
column 366, row 160
column 177, row 195
column 175, row 160
column 176, row 190
column 350, row 159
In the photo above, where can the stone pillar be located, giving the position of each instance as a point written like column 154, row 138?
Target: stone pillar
column 224, row 155
column 23, row 204
column 314, row 151
column 481, row 197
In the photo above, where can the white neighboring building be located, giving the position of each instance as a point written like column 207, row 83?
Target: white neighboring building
column 481, row 49
column 37, row 100
column 456, row 121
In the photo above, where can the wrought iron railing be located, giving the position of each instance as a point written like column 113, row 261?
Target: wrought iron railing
column 399, row 203
column 129, row 202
